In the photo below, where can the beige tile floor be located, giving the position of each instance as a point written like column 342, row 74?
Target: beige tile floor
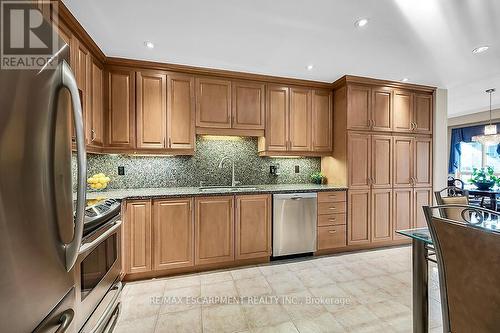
column 356, row 292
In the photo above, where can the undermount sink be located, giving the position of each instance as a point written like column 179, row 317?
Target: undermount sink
column 227, row 188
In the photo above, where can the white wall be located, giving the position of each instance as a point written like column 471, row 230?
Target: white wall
column 440, row 139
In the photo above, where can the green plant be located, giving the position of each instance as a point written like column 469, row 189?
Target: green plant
column 484, row 175
column 317, row 177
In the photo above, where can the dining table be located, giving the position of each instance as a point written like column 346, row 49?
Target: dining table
column 422, row 252
column 492, row 193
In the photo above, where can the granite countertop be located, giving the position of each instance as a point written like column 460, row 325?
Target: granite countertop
column 172, row 192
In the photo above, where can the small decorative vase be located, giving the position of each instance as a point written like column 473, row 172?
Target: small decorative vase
column 484, row 186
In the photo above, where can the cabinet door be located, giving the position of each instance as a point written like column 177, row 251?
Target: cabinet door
column 358, row 108
column 422, row 162
column 180, row 111
column 381, row 109
column 253, row 226
column 358, row 217
column 359, row 157
column 213, row 103
column 403, row 161
column 403, row 111
column 96, row 132
column 382, row 161
column 151, row 110
column 422, row 117
column 402, row 214
column 300, row 120
column 421, row 197
column 322, row 120
column 277, row 118
column 82, row 76
column 214, row 230
column 138, row 237
column 381, row 215
column 248, row 110
column 173, row 232
column 121, row 108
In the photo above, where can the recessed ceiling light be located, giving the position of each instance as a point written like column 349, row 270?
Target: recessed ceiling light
column 361, row 22
column 480, row 49
column 310, row 67
column 149, row 44
column 405, row 79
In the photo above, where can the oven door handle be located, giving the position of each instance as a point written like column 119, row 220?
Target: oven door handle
column 86, row 246
column 105, row 321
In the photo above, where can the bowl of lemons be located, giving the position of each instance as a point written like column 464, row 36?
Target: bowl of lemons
column 98, row 181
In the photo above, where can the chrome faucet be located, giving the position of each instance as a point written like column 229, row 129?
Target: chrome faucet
column 221, row 164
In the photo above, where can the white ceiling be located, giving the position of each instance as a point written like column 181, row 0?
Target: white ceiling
column 427, row 41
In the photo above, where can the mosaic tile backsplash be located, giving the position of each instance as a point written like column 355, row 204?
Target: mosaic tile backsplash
column 177, row 171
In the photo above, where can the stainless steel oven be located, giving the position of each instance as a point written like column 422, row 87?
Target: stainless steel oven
column 97, row 273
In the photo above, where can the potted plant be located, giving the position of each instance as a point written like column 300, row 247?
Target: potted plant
column 484, row 178
column 317, row 178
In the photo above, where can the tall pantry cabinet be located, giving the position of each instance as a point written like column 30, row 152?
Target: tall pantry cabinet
column 383, row 154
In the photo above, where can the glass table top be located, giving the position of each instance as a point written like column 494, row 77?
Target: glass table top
column 423, row 234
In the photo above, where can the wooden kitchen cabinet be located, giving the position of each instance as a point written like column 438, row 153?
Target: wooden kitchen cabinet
column 381, row 215
column 403, row 161
column 422, row 161
column 253, row 226
column 213, row 103
column 120, row 108
column 138, row 237
column 358, row 217
column 180, row 111
column 381, row 109
column 173, row 234
column 300, row 120
column 421, row 197
column 277, row 118
column 402, row 213
column 359, row 157
column 96, row 104
column 423, row 113
column 358, row 106
column 322, row 120
column 382, row 147
column 151, row 97
column 248, row 105
column 403, row 111
column 214, row 230
column 413, row 112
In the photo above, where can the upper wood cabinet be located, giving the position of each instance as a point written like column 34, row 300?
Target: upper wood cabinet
column 381, row 109
column 277, row 118
column 180, row 111
column 322, row 120
column 248, row 105
column 413, row 112
column 173, row 234
column 151, row 96
column 96, row 104
column 358, row 217
column 138, row 236
column 300, row 120
column 382, row 156
column 422, row 162
column 213, row 103
column 214, row 229
column 358, row 107
column 412, row 161
column 120, row 108
column 253, row 226
column 359, row 157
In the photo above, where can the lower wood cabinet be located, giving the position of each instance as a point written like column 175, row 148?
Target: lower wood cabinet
column 422, row 197
column 331, row 231
column 173, row 234
column 214, row 225
column 407, row 208
column 381, row 215
column 331, row 237
column 358, row 217
column 253, row 226
column 138, row 237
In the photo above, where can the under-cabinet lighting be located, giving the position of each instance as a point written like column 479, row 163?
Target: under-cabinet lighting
column 221, row 137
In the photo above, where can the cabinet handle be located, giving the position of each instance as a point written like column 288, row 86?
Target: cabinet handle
column 92, row 135
column 333, row 220
column 332, row 231
column 332, row 208
column 169, row 143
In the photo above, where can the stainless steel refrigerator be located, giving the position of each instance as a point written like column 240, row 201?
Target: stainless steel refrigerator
column 40, row 235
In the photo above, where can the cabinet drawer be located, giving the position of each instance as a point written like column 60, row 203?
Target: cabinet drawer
column 331, row 208
column 331, row 219
column 331, row 237
column 337, row 196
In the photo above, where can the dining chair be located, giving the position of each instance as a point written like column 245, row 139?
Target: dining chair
column 469, row 266
column 454, row 196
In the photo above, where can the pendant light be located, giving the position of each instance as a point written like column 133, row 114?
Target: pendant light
column 490, row 136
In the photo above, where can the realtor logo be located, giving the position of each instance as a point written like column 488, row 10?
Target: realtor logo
column 27, row 40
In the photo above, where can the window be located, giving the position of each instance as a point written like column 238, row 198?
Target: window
column 475, row 155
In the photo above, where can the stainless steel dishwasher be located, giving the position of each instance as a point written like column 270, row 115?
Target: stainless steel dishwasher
column 294, row 223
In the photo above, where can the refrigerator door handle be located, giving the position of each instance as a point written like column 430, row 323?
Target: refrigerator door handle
column 73, row 248
column 66, row 319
